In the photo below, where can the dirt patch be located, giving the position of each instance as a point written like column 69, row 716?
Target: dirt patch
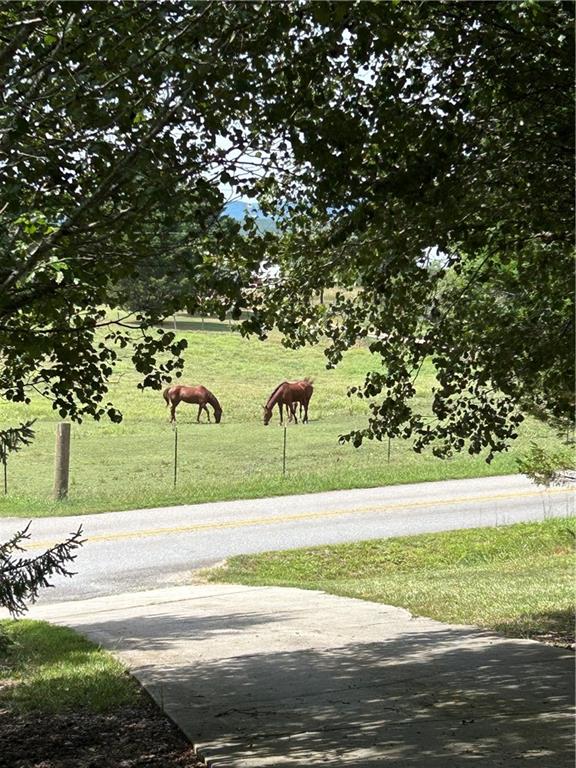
column 131, row 737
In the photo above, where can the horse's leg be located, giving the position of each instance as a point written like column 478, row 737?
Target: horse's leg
column 292, row 407
column 305, row 406
column 280, row 409
column 199, row 412
column 207, row 411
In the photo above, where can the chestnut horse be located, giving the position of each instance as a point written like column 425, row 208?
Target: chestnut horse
column 199, row 395
column 289, row 393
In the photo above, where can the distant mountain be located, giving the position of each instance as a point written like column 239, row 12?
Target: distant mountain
column 238, row 210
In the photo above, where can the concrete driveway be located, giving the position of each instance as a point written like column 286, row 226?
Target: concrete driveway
column 259, row 676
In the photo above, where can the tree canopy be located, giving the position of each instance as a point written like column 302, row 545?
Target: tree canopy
column 168, row 281
column 417, row 155
column 433, row 150
column 110, row 123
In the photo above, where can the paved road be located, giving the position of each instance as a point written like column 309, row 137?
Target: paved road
column 145, row 549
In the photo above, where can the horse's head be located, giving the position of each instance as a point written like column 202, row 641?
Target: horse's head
column 267, row 415
column 217, row 415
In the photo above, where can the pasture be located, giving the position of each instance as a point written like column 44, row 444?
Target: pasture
column 130, row 465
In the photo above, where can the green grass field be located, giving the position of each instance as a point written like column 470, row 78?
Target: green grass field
column 53, row 669
column 130, row 465
column 517, row 580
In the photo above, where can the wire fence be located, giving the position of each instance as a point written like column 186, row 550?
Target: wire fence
column 145, row 457
column 127, row 465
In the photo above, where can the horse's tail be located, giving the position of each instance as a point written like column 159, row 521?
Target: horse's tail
column 165, row 396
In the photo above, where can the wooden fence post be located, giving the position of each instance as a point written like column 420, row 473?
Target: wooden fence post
column 284, row 454
column 62, row 460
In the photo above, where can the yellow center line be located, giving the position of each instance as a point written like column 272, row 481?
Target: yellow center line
column 255, row 521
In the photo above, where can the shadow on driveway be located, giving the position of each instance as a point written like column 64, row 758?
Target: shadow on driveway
column 301, row 678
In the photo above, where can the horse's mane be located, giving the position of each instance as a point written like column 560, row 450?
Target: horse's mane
column 213, row 400
column 275, row 391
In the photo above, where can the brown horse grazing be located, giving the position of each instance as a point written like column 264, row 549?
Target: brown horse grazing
column 289, row 393
column 199, row 395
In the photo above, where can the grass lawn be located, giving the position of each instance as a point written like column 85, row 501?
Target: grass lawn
column 65, row 702
column 53, row 669
column 130, row 465
column 517, row 580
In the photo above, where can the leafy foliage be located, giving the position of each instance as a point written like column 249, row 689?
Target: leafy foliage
column 417, row 154
column 21, row 578
column 103, row 138
column 434, row 144
column 547, row 467
column 14, row 439
column 169, row 281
